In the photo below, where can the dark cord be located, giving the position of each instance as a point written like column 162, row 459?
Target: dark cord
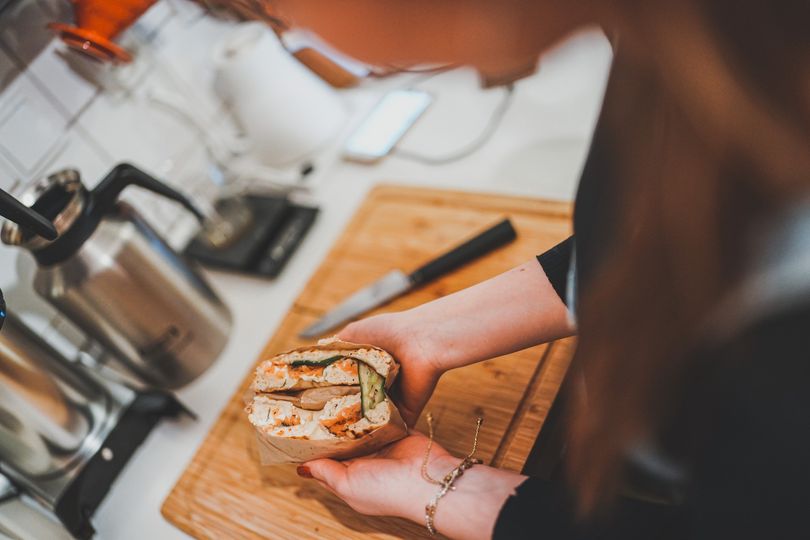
column 490, row 129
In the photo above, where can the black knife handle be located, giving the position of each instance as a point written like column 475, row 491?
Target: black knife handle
column 492, row 238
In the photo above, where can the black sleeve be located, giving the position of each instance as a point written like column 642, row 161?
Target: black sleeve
column 556, row 262
column 748, row 410
column 544, row 509
column 752, row 469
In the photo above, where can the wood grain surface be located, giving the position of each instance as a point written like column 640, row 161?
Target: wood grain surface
column 225, row 493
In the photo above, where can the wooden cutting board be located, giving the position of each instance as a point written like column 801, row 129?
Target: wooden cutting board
column 224, row 493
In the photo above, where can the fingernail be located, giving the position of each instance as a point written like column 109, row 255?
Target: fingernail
column 303, row 471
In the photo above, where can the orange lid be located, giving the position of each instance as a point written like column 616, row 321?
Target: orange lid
column 91, row 43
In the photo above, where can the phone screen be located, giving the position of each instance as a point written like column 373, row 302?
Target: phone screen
column 387, row 123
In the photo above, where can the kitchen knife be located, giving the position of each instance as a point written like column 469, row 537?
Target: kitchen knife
column 397, row 282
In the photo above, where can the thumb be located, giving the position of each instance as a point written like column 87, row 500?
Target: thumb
column 361, row 331
column 329, row 472
column 373, row 330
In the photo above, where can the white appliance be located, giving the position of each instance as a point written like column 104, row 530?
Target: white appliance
column 286, row 111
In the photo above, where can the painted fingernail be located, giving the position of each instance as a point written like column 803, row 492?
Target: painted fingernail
column 303, row 471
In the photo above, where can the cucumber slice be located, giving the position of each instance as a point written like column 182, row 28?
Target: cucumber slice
column 372, row 387
column 317, row 363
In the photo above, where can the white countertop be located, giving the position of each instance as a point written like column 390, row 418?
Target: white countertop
column 538, row 150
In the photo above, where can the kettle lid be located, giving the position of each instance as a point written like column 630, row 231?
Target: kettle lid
column 60, row 197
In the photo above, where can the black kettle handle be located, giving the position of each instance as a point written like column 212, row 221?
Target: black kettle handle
column 106, row 193
column 28, row 218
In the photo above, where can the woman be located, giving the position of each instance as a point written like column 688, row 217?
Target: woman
column 687, row 277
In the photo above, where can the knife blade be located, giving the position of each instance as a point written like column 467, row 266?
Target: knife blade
column 397, row 282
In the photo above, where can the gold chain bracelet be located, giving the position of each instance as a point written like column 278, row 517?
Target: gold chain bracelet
column 446, row 483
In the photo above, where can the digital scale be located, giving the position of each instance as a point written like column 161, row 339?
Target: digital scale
column 268, row 237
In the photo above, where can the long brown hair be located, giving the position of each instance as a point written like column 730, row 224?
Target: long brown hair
column 724, row 91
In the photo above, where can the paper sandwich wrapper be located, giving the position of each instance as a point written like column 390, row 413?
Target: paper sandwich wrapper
column 276, row 450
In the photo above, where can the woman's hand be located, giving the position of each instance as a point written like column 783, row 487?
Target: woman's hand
column 413, row 349
column 390, row 483
column 387, row 483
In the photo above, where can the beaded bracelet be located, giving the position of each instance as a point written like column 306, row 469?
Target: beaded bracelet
column 447, row 483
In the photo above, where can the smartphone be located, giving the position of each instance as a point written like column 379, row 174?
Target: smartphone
column 385, row 125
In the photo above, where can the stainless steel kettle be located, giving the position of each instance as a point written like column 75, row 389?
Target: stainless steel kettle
column 112, row 275
column 53, row 415
column 66, row 432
